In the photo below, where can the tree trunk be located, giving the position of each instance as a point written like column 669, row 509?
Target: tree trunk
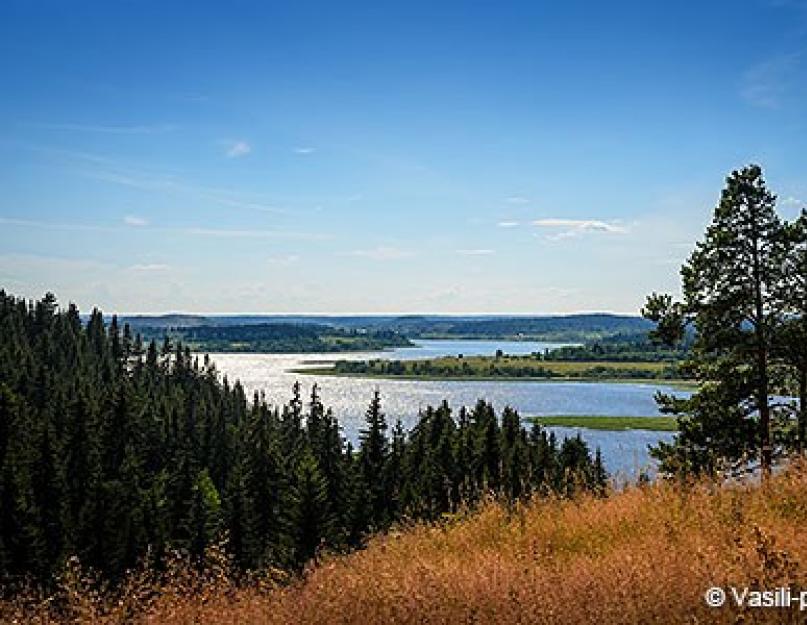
column 802, row 426
column 764, row 417
column 762, row 336
column 762, row 391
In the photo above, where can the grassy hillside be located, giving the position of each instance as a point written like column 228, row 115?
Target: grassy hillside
column 646, row 555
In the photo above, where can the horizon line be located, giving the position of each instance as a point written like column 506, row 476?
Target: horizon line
column 369, row 314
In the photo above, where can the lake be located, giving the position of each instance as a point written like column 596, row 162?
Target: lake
column 623, row 452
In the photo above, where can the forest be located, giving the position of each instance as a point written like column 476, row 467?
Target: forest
column 276, row 338
column 114, row 451
column 560, row 328
column 636, row 347
column 575, row 328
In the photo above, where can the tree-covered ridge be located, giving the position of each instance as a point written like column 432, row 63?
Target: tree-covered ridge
column 580, row 327
column 112, row 450
column 619, row 348
column 276, row 338
column 558, row 328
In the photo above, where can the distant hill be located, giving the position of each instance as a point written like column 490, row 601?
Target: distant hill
column 173, row 320
column 560, row 328
column 577, row 327
column 272, row 337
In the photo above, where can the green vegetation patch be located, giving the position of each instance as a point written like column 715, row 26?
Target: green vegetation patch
column 508, row 367
column 599, row 422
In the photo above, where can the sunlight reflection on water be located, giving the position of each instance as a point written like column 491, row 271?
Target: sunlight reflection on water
column 623, row 452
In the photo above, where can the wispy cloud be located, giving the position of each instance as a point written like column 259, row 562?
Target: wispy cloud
column 800, row 5
column 45, row 225
column 507, row 224
column 135, row 221
column 150, row 267
column 264, row 208
column 792, row 201
column 151, row 129
column 195, row 231
column 193, row 97
column 305, row 150
column 283, row 261
column 517, row 199
column 383, row 252
column 769, row 83
column 167, row 183
column 568, row 228
column 237, row 149
column 475, row 252
column 225, row 233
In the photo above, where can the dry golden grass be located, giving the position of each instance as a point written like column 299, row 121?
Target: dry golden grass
column 646, row 555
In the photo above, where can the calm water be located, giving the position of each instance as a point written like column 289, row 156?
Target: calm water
column 623, row 452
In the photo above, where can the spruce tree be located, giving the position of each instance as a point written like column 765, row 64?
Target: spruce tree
column 311, row 518
column 373, row 451
column 488, row 451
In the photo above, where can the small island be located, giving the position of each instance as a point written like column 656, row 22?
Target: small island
column 618, row 362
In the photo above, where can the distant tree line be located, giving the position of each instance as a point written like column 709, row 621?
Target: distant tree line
column 113, row 450
column 620, row 348
column 503, row 367
column 277, row 338
column 580, row 327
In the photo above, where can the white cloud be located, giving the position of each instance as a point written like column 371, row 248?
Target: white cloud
column 135, row 221
column 507, row 224
column 149, row 267
column 238, row 148
column 574, row 227
column 382, row 252
column 305, row 150
column 792, row 201
column 475, row 252
column 517, row 199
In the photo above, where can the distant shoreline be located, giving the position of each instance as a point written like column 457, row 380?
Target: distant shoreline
column 330, row 371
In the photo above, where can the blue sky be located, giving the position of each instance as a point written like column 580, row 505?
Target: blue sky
column 499, row 157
